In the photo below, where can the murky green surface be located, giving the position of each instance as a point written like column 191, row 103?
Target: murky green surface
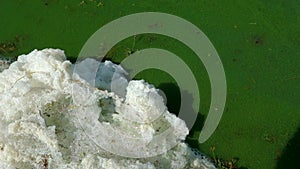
column 258, row 42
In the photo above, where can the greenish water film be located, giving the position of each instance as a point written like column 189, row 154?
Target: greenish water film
column 257, row 41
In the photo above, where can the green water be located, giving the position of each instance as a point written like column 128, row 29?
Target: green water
column 258, row 43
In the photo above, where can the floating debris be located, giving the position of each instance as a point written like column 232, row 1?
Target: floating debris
column 4, row 63
column 7, row 47
column 224, row 164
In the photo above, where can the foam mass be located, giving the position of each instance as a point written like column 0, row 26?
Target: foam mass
column 55, row 114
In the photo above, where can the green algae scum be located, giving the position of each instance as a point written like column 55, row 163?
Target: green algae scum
column 257, row 41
